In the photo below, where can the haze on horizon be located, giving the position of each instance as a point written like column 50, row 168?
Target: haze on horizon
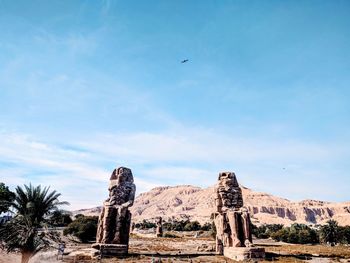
column 88, row 86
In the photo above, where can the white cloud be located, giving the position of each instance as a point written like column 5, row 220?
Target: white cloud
column 186, row 156
column 25, row 151
column 202, row 146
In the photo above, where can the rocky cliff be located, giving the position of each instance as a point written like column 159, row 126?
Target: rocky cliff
column 185, row 201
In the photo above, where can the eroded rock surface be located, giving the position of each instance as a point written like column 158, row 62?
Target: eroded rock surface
column 232, row 220
column 198, row 204
column 115, row 217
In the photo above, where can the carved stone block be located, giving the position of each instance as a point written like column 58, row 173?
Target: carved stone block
column 244, row 253
column 232, row 220
column 115, row 218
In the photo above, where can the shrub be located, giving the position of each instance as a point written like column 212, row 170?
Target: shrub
column 170, row 235
column 145, row 225
column 78, row 215
column 84, row 228
column 329, row 233
column 59, row 218
column 207, row 227
column 296, row 234
column 281, row 235
column 6, row 197
column 266, row 231
column 192, row 226
column 345, row 234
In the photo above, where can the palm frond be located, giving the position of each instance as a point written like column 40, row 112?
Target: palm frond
column 31, row 204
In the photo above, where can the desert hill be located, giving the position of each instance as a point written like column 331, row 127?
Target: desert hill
column 195, row 203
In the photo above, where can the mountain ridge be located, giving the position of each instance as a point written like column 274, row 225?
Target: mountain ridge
column 195, row 203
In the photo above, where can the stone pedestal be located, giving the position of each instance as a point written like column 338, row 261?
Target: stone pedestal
column 111, row 249
column 244, row 253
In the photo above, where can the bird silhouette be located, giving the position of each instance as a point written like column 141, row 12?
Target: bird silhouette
column 184, row 61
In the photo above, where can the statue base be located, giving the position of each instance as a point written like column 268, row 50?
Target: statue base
column 244, row 253
column 110, row 250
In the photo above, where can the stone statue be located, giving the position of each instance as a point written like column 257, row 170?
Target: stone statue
column 232, row 220
column 159, row 230
column 115, row 218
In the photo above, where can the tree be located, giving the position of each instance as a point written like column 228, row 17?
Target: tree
column 78, row 215
column 59, row 218
column 84, row 228
column 281, row 235
column 6, row 197
column 192, row 226
column 296, row 234
column 330, row 232
column 31, row 205
column 345, row 233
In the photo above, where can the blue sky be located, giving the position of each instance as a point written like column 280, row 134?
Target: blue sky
column 86, row 86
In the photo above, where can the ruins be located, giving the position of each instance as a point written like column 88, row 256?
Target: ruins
column 112, row 236
column 232, row 221
column 159, row 230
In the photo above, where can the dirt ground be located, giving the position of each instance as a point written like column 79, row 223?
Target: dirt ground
column 189, row 249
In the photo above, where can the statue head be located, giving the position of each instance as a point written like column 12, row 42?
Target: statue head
column 228, row 179
column 229, row 192
column 121, row 175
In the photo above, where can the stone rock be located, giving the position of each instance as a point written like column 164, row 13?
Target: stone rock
column 232, row 220
column 244, row 253
column 159, row 230
column 198, row 204
column 110, row 250
column 95, row 253
column 115, row 218
column 205, row 248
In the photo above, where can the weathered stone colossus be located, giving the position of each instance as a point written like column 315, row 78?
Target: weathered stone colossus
column 159, row 230
column 231, row 219
column 114, row 220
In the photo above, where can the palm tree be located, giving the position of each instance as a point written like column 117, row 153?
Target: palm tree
column 31, row 205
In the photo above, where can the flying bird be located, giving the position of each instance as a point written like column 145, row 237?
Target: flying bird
column 184, row 61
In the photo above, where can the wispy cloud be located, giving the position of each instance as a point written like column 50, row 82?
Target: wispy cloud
column 205, row 146
column 22, row 149
column 182, row 157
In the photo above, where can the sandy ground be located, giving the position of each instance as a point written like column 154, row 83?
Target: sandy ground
column 148, row 249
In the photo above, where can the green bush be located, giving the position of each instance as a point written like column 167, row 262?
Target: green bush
column 332, row 233
column 280, row 235
column 84, row 228
column 78, row 215
column 344, row 233
column 6, row 197
column 296, row 234
column 185, row 225
column 145, row 225
column 170, row 235
column 266, row 230
column 207, row 227
column 59, row 218
column 192, row 226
